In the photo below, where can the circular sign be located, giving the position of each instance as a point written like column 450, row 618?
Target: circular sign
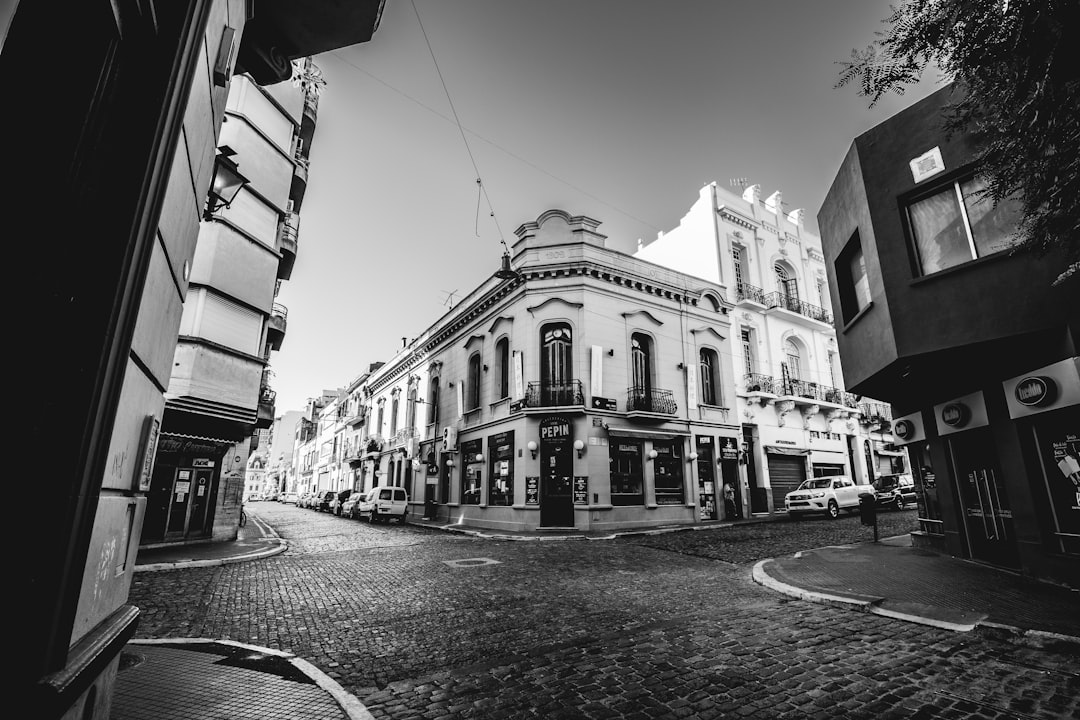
column 903, row 429
column 954, row 414
column 1035, row 391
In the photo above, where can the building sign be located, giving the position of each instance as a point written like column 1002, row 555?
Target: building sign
column 581, row 489
column 1036, row 391
column 927, row 165
column 532, row 490
column 955, row 415
column 729, row 449
column 903, row 429
column 151, row 432
column 603, row 403
column 202, row 463
column 554, row 428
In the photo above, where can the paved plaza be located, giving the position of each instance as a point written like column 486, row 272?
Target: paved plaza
column 418, row 623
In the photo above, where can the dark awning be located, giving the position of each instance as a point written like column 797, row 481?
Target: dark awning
column 779, row 450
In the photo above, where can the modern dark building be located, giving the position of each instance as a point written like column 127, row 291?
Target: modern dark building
column 973, row 344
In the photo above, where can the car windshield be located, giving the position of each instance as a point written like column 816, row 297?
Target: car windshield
column 886, row 483
column 816, row 484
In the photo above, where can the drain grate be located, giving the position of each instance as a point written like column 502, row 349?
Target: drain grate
column 471, row 562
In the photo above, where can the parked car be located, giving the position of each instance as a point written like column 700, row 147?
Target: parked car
column 382, row 504
column 341, row 497
column 290, row 498
column 325, row 500
column 827, row 495
column 894, row 491
column 348, row 508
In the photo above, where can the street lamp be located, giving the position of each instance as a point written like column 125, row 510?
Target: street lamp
column 226, row 183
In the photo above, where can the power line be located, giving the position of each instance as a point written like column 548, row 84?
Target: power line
column 494, row 144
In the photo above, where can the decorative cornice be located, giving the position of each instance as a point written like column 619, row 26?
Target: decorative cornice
column 734, row 217
column 532, row 310
column 646, row 313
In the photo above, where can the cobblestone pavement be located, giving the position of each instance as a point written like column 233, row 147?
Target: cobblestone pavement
column 587, row 629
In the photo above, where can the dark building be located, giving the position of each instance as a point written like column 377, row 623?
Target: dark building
column 972, row 344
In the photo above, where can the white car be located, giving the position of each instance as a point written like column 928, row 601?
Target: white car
column 383, row 504
column 827, row 495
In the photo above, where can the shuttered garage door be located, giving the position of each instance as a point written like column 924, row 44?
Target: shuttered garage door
column 786, row 472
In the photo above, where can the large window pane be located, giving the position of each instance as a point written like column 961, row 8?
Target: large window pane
column 991, row 226
column 940, row 236
column 859, row 280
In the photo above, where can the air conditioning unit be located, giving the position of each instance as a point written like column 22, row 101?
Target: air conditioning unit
column 449, row 437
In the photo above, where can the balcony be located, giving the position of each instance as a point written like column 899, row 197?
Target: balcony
column 299, row 181
column 353, row 454
column 275, row 328
column 778, row 300
column 875, row 413
column 372, row 445
column 765, row 386
column 744, row 292
column 354, row 420
column 290, row 236
column 402, row 437
column 648, row 402
column 548, row 394
column 264, row 418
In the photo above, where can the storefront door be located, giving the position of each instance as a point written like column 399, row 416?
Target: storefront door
column 556, row 472
column 706, row 479
column 987, row 515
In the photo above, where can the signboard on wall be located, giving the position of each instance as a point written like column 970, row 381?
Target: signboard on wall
column 532, row 490
column 581, row 489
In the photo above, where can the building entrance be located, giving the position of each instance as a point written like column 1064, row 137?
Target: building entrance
column 556, row 472
column 987, row 515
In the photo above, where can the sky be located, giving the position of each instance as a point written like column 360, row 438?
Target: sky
column 620, row 110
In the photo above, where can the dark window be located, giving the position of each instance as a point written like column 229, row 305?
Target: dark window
column 502, row 368
column 641, row 358
column 556, row 359
column 786, row 283
column 957, row 224
column 379, row 422
column 710, row 377
column 394, row 406
column 501, row 469
column 472, row 472
column 410, row 409
column 668, row 465
column 473, row 390
column 433, row 401
column 853, row 285
column 626, row 472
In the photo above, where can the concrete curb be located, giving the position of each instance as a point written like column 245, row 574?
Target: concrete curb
column 280, row 546
column 495, row 535
column 349, row 704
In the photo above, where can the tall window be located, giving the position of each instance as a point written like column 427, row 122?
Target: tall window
column 748, row 351
column 641, row 358
column 785, row 282
column 556, row 364
column 831, row 359
column 958, row 224
column 710, row 377
column 853, row 284
column 502, row 368
column 792, row 366
column 473, row 390
column 394, row 414
column 433, row 400
column 737, row 258
column 379, row 421
column 410, row 409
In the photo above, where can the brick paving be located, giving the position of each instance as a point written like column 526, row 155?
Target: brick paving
column 643, row 627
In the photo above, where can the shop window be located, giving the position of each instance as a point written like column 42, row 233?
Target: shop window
column 710, row 377
column 668, row 466
column 473, row 388
column 472, row 472
column 926, row 490
column 627, row 473
column 853, row 285
column 501, row 469
column 502, row 368
column 958, row 224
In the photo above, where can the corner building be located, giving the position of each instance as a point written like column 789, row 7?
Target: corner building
column 973, row 345
column 564, row 395
column 795, row 419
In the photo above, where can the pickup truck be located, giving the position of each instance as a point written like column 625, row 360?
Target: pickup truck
column 827, row 495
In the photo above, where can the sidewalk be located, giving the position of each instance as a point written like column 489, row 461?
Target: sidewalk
column 196, row 678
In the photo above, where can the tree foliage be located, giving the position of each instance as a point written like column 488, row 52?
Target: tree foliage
column 1016, row 66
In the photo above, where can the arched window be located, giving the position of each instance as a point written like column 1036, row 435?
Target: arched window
column 710, row 377
column 502, row 368
column 473, row 388
column 785, row 283
column 379, row 421
column 556, row 364
column 394, row 406
column 641, row 358
column 433, row 400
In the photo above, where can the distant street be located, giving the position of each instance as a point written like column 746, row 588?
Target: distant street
column 659, row 626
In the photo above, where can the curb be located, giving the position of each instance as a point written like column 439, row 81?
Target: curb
column 349, row 704
column 1000, row 631
column 280, row 546
column 495, row 535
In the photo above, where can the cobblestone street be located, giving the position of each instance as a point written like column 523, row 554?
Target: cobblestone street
column 658, row 626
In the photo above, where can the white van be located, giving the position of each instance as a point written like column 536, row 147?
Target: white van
column 383, row 504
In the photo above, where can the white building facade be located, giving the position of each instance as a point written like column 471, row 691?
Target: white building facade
column 796, row 420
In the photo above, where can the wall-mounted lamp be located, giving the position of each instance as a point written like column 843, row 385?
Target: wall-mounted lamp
column 652, row 454
column 580, row 447
column 681, row 366
column 692, row 456
column 449, row 462
column 226, row 182
column 479, row 457
column 485, row 368
column 611, row 352
column 533, row 447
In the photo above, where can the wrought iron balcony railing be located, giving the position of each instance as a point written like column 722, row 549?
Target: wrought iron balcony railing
column 290, row 228
column 549, row 394
column 756, row 382
column 280, row 311
column 877, row 412
column 650, row 400
column 745, row 291
column 795, row 305
column 266, row 395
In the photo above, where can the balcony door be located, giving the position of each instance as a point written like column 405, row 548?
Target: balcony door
column 787, row 286
column 556, row 365
column 641, row 371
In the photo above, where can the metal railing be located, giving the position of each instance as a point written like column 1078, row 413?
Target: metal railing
column 650, row 400
column 290, row 227
column 756, row 382
column 875, row 411
column 279, row 310
column 795, row 305
column 266, row 395
column 745, row 291
column 549, row 394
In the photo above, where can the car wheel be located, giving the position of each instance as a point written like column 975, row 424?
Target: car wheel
column 402, row 518
column 834, row 509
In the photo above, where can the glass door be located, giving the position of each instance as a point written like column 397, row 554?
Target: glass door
column 987, row 514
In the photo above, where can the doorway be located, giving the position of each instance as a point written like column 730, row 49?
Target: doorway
column 984, row 504
column 556, row 472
